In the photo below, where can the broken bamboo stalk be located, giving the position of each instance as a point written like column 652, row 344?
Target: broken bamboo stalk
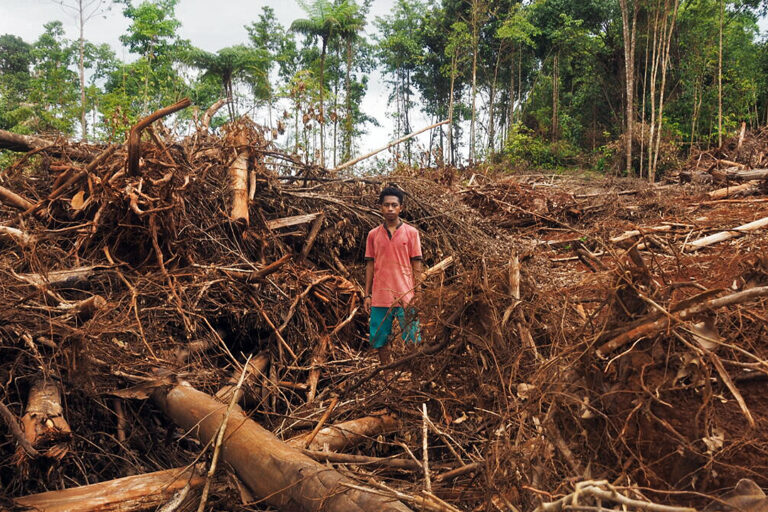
column 726, row 235
column 134, row 136
column 349, row 433
column 44, row 425
column 238, row 177
column 393, row 143
column 128, row 494
column 658, row 325
column 275, row 472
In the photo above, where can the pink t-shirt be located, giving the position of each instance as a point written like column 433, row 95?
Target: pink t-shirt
column 392, row 271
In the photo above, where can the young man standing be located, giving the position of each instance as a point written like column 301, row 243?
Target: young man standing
column 392, row 274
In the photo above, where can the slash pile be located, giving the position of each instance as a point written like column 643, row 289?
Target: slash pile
column 574, row 331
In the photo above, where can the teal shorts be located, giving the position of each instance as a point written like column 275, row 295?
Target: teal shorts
column 380, row 325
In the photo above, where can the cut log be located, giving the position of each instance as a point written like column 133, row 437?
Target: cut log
column 439, row 267
column 24, row 143
column 752, row 174
column 280, row 475
column 726, row 235
column 44, row 425
column 349, row 433
column 22, row 238
column 292, row 221
column 129, row 494
column 746, row 188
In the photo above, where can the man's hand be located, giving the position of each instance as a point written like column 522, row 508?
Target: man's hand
column 367, row 304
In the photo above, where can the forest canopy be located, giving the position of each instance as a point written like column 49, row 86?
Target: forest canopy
column 627, row 84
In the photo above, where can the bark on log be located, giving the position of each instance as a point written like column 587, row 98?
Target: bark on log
column 282, row 476
column 349, row 433
column 129, row 494
column 727, row 235
column 292, row 221
column 44, row 425
column 13, row 199
column 24, row 143
column 254, row 369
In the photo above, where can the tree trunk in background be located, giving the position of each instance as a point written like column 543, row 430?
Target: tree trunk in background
column 492, row 94
column 81, row 69
column 555, row 91
column 349, row 125
column 720, row 78
column 669, row 25
column 629, row 30
column 322, row 113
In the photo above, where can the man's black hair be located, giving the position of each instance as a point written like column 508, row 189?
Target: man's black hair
column 391, row 191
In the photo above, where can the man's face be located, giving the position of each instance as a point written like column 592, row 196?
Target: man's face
column 390, row 208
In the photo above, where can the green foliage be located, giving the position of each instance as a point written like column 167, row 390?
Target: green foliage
column 523, row 147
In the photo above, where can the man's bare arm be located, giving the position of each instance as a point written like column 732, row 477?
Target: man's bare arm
column 368, row 284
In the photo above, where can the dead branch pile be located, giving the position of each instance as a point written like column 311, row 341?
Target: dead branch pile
column 576, row 336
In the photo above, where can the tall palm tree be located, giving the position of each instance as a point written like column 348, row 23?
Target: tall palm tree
column 229, row 64
column 324, row 20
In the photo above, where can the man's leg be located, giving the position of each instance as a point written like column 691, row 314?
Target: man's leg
column 379, row 328
column 409, row 325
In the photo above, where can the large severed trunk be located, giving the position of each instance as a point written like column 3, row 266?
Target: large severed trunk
column 280, row 475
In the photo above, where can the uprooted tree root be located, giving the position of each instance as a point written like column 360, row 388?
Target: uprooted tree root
column 551, row 353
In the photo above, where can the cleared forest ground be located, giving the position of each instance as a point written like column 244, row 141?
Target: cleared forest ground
column 575, row 330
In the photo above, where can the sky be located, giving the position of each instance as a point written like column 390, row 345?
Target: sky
column 207, row 24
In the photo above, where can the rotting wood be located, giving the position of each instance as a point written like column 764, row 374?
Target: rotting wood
column 726, row 235
column 128, row 494
column 44, row 425
column 349, row 433
column 280, row 475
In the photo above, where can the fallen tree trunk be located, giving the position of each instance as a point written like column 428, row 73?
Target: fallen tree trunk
column 24, row 143
column 44, row 425
column 13, row 199
column 349, row 433
column 727, row 235
column 129, row 494
column 275, row 472
column 752, row 174
column 746, row 188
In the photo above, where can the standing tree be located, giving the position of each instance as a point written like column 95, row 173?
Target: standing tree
column 629, row 10
column 15, row 61
column 324, row 21
column 84, row 11
column 228, row 65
